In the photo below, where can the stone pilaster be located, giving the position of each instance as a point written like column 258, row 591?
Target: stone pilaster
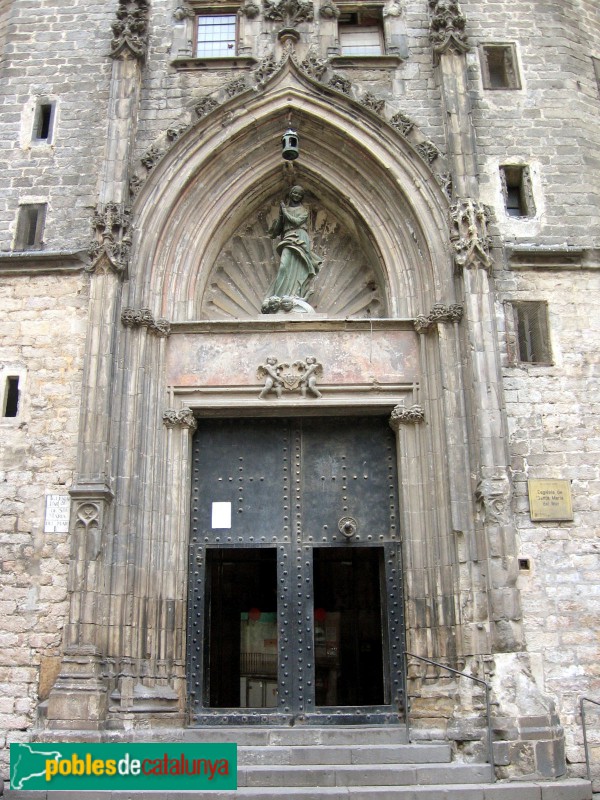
column 80, row 690
column 449, row 43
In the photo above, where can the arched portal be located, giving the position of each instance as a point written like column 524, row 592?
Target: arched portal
column 228, row 167
column 318, row 387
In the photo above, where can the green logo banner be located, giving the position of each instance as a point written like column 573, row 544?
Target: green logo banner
column 123, row 767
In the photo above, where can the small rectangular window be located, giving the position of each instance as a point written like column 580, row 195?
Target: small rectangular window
column 596, row 63
column 30, row 226
column 517, row 190
column 499, row 67
column 43, row 123
column 216, row 35
column 361, row 33
column 529, row 330
column 11, row 396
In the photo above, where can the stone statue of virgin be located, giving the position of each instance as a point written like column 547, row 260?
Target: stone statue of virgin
column 298, row 265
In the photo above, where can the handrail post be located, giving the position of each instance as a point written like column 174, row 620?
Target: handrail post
column 490, row 748
column 586, row 749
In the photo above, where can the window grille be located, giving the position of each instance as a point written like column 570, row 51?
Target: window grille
column 518, row 193
column 216, row 36
column 528, row 331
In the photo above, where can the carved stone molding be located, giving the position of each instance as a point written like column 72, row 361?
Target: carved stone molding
column 374, row 103
column 290, row 12
column 493, row 495
column 314, row 66
column 250, row 9
column 329, row 10
column 205, row 105
column 235, row 87
column 144, row 318
column 392, row 9
column 402, row 123
column 447, row 28
column 469, row 235
column 112, row 245
column 341, row 84
column 183, row 418
column 439, row 313
column 183, row 12
column 130, row 30
column 428, row 151
column 406, row 416
column 300, row 375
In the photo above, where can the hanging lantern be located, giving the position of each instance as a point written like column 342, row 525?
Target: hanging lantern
column 289, row 145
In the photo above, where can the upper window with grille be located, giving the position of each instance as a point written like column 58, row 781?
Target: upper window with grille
column 216, row 35
column 528, row 332
column 361, row 33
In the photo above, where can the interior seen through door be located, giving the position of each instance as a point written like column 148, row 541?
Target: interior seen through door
column 242, row 657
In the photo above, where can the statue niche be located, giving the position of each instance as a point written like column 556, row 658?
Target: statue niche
column 252, row 266
column 298, row 264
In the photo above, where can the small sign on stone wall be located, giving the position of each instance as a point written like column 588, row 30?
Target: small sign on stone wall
column 550, row 500
column 57, row 513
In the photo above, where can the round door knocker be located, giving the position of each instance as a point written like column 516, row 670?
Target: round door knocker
column 348, row 526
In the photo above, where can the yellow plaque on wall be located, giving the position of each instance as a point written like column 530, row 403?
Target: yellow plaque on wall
column 550, row 500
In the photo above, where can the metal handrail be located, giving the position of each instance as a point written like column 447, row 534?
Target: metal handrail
column 584, row 726
column 464, row 675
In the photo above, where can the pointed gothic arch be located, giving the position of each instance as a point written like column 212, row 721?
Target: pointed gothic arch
column 228, row 167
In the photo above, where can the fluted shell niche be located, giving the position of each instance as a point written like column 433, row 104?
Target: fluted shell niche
column 347, row 284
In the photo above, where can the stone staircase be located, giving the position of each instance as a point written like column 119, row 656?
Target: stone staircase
column 364, row 763
column 347, row 763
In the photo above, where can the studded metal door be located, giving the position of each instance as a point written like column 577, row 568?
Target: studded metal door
column 295, row 578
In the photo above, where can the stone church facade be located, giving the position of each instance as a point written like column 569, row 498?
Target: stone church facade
column 265, row 456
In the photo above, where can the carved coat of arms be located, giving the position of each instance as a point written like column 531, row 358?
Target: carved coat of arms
column 287, row 376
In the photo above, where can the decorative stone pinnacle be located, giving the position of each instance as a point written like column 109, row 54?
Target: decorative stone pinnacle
column 112, row 244
column 183, row 418
column 406, row 416
column 144, row 318
column 447, row 28
column 130, row 30
column 439, row 313
column 469, row 236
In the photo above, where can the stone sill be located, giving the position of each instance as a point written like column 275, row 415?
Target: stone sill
column 551, row 258
column 367, row 62
column 39, row 262
column 192, row 64
column 304, row 322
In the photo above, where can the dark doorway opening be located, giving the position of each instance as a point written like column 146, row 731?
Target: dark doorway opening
column 241, row 646
column 348, row 626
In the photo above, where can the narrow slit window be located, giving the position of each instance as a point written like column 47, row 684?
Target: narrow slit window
column 518, row 194
column 499, row 67
column 532, row 332
column 43, row 123
column 216, row 36
column 11, row 397
column 360, row 34
column 596, row 63
column 30, row 226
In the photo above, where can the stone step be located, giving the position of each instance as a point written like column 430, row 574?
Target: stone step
column 345, row 754
column 293, row 736
column 572, row 789
column 362, row 775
